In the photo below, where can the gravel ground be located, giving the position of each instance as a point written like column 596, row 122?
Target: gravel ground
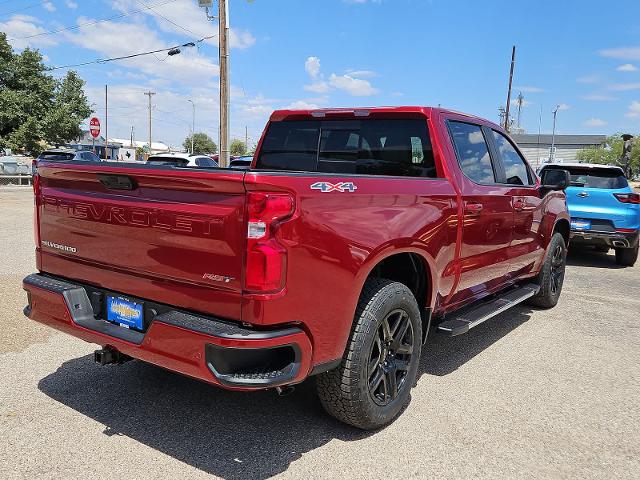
column 542, row 394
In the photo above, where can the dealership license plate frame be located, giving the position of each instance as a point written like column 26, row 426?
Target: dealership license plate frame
column 580, row 224
column 123, row 316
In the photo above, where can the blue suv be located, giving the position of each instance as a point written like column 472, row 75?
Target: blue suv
column 605, row 212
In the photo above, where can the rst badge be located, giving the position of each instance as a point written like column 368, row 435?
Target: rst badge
column 325, row 187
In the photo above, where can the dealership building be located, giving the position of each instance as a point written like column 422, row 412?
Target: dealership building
column 536, row 148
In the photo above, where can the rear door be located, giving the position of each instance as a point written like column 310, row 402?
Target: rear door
column 173, row 235
column 487, row 213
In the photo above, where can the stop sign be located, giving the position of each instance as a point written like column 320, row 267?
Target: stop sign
column 94, row 127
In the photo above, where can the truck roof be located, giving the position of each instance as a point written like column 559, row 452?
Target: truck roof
column 279, row 115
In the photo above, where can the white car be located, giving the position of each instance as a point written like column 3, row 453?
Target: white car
column 182, row 160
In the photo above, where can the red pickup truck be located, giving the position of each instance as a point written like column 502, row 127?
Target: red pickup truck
column 352, row 233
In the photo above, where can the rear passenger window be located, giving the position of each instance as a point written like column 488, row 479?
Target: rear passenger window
column 394, row 147
column 473, row 153
column 515, row 169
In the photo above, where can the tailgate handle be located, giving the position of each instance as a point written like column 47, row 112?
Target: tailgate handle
column 117, row 182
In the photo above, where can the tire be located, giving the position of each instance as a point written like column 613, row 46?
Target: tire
column 360, row 391
column 602, row 248
column 551, row 275
column 627, row 256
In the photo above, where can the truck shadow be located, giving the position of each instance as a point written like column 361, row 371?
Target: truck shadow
column 589, row 257
column 233, row 435
column 443, row 355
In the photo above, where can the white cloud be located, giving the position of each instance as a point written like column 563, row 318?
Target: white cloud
column 627, row 67
column 361, row 73
column 623, row 87
column 353, row 86
column 622, row 53
column 117, row 38
column 634, row 109
column 49, row 7
column 529, row 89
column 595, row 122
column 598, row 97
column 312, row 66
column 564, row 106
column 589, row 79
column 71, row 4
column 186, row 14
column 302, row 105
column 352, row 82
column 23, row 26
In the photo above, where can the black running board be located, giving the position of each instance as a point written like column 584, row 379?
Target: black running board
column 466, row 319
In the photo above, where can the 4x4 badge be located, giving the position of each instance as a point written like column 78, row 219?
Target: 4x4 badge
column 325, row 187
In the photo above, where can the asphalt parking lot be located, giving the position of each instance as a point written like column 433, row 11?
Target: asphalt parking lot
column 531, row 393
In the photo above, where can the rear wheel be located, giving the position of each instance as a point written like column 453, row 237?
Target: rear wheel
column 627, row 256
column 371, row 386
column 551, row 276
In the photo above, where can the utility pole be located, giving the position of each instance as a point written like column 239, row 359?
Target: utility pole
column 106, row 122
column 150, row 94
column 246, row 139
column 223, row 36
column 506, row 115
column 520, row 100
column 193, row 124
column 552, row 154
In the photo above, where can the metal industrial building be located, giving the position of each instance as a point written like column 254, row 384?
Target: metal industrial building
column 536, row 148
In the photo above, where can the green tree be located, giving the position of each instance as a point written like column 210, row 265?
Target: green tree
column 611, row 151
column 202, row 144
column 35, row 108
column 237, row 147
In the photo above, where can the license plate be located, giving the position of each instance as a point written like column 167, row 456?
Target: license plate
column 580, row 224
column 125, row 313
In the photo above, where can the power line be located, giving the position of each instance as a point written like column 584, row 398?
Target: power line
column 93, row 22
column 31, row 5
column 125, row 57
column 140, row 2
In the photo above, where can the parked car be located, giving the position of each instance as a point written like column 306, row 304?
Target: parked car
column 355, row 231
column 182, row 160
column 241, row 163
column 605, row 211
column 67, row 154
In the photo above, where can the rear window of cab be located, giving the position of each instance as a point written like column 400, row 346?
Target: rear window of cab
column 392, row 147
column 604, row 178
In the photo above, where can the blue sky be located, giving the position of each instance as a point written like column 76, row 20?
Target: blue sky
column 582, row 55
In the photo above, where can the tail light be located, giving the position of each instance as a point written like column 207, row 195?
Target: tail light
column 626, row 230
column 36, row 214
column 632, row 198
column 266, row 259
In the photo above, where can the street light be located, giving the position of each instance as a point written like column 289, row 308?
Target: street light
column 552, row 154
column 193, row 124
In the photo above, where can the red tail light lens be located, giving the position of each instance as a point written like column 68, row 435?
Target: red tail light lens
column 266, row 258
column 36, row 214
column 633, row 198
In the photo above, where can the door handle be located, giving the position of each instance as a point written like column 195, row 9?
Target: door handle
column 583, row 194
column 473, row 208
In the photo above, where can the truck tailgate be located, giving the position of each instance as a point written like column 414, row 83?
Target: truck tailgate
column 173, row 235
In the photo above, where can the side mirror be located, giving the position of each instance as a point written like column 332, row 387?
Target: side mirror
column 555, row 179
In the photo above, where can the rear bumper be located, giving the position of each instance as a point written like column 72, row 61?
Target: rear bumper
column 210, row 349
column 610, row 239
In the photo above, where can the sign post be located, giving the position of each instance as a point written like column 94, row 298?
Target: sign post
column 94, row 129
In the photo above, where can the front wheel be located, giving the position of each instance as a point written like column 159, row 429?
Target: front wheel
column 371, row 386
column 551, row 276
column 627, row 256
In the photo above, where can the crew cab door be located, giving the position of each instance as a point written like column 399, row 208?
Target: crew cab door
column 526, row 248
column 487, row 216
